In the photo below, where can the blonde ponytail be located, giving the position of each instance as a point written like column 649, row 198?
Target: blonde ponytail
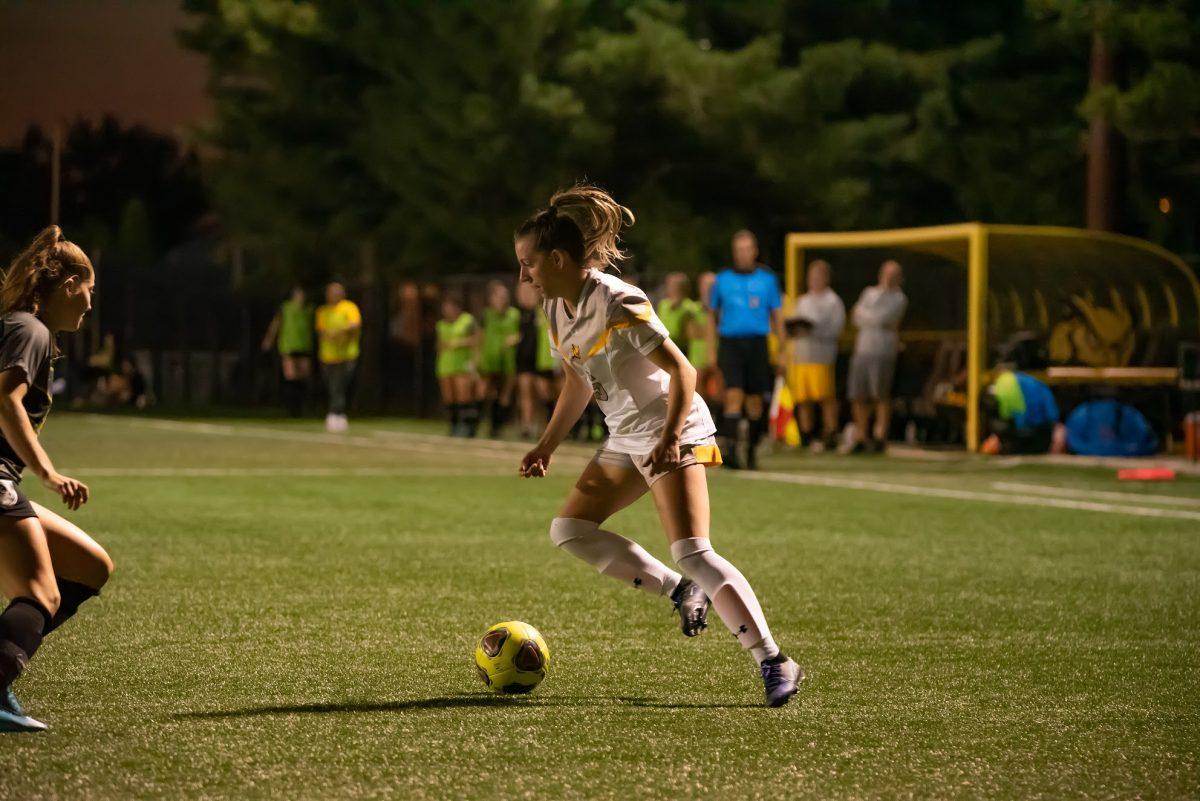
column 599, row 217
column 585, row 222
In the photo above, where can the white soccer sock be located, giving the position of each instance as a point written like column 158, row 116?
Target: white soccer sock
column 613, row 555
column 730, row 593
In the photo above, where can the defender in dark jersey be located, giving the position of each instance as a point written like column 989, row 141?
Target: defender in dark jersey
column 48, row 566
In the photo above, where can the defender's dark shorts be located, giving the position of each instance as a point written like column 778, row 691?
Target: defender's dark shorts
column 526, row 360
column 746, row 364
column 13, row 502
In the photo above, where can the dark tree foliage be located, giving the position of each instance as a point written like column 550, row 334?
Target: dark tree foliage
column 430, row 129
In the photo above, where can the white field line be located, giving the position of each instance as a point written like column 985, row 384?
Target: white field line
column 1077, row 492
column 969, row 495
column 392, row 441
column 568, row 450
column 269, row 472
column 402, row 441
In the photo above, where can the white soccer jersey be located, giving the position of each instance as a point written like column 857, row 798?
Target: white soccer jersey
column 605, row 341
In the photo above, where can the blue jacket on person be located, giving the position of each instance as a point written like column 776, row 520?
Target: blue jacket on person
column 1024, row 401
column 1040, row 407
column 744, row 301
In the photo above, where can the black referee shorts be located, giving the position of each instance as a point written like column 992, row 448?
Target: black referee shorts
column 745, row 363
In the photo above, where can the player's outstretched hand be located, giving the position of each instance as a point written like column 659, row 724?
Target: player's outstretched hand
column 665, row 455
column 73, row 492
column 535, row 464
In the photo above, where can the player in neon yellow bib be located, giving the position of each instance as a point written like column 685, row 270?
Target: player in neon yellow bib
column 457, row 339
column 702, row 352
column 676, row 309
column 498, row 353
column 291, row 334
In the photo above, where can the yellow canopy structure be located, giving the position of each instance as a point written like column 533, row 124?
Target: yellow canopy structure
column 1100, row 300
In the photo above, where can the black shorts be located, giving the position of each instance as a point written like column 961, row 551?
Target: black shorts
column 526, row 360
column 746, row 364
column 13, row 502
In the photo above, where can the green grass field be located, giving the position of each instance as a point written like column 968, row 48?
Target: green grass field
column 294, row 615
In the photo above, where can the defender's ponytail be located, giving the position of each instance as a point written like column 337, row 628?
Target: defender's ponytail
column 47, row 261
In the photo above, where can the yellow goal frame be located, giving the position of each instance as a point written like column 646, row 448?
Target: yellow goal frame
column 976, row 236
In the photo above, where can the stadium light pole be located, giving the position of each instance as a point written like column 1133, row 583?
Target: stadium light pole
column 1101, row 184
column 55, row 171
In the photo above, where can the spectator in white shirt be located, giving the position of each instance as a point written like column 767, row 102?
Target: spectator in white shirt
column 877, row 314
column 814, row 329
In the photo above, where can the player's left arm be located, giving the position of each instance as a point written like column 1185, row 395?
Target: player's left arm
column 349, row 331
column 272, row 332
column 670, row 359
column 354, row 318
column 472, row 339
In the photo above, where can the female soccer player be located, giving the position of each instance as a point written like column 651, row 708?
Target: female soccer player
column 291, row 333
column 616, row 349
column 498, row 353
column 48, row 566
column 456, row 340
column 676, row 309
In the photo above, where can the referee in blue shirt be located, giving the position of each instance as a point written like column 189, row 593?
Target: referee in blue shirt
column 744, row 308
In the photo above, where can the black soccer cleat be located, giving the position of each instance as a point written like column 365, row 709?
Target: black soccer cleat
column 692, row 605
column 781, row 680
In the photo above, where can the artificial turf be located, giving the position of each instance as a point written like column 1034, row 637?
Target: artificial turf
column 294, row 614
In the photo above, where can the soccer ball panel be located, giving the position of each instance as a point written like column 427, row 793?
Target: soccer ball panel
column 512, row 658
column 494, row 641
column 529, row 657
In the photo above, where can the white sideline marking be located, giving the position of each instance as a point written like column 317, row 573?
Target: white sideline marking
column 417, row 442
column 1076, row 492
column 968, row 495
column 268, row 472
column 380, row 440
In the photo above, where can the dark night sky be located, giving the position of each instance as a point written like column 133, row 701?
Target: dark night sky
column 62, row 59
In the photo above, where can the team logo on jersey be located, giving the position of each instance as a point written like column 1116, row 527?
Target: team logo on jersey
column 598, row 391
column 8, row 494
column 574, row 352
column 754, row 301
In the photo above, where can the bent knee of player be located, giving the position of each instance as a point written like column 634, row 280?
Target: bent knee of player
column 90, row 565
column 101, row 569
column 566, row 529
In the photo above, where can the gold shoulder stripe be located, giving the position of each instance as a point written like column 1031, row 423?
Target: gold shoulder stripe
column 603, row 340
column 599, row 345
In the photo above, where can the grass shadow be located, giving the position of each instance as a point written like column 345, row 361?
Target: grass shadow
column 448, row 702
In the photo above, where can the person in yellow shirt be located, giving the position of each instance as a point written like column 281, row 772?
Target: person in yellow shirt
column 339, row 329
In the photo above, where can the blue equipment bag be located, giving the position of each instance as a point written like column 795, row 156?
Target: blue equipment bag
column 1109, row 428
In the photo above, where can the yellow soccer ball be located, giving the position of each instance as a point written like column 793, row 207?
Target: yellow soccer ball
column 512, row 658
